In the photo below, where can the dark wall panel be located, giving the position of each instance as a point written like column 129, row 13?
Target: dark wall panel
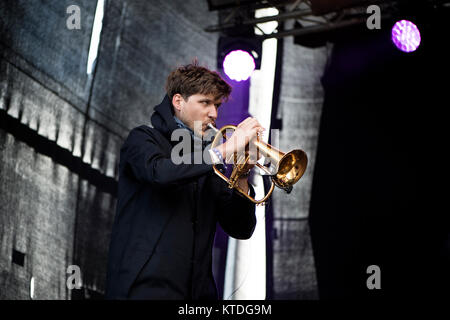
column 294, row 275
column 92, row 232
column 300, row 107
column 36, row 31
column 37, row 201
column 43, row 79
column 37, row 106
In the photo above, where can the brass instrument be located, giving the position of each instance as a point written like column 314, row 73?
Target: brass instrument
column 289, row 167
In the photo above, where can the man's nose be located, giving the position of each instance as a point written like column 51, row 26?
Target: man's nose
column 213, row 112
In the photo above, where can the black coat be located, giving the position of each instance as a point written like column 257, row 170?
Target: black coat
column 163, row 232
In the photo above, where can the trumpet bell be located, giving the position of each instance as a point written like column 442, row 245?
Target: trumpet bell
column 291, row 168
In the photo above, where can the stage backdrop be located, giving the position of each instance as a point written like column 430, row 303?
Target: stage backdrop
column 61, row 129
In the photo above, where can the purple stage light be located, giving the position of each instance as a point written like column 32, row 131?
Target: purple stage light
column 406, row 36
column 238, row 65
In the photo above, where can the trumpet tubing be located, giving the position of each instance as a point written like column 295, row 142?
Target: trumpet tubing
column 290, row 166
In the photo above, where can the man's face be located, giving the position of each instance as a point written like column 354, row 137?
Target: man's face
column 197, row 111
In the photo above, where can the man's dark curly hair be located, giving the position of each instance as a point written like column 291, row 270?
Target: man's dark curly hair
column 193, row 79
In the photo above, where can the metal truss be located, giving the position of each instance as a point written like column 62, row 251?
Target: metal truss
column 310, row 23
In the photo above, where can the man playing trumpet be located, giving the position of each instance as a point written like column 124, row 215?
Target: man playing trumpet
column 163, row 232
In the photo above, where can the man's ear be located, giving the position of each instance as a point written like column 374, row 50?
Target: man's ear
column 177, row 100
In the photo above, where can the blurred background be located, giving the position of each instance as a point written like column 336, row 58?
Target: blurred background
column 360, row 86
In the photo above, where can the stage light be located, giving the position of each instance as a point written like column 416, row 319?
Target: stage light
column 238, row 65
column 406, row 36
column 239, row 56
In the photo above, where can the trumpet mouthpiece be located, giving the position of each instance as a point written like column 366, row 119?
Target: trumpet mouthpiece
column 212, row 127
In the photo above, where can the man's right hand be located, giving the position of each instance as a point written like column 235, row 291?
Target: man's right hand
column 245, row 132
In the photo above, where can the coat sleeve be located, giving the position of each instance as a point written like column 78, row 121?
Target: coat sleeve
column 236, row 214
column 142, row 154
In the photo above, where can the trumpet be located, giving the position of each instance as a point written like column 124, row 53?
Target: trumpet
column 289, row 167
